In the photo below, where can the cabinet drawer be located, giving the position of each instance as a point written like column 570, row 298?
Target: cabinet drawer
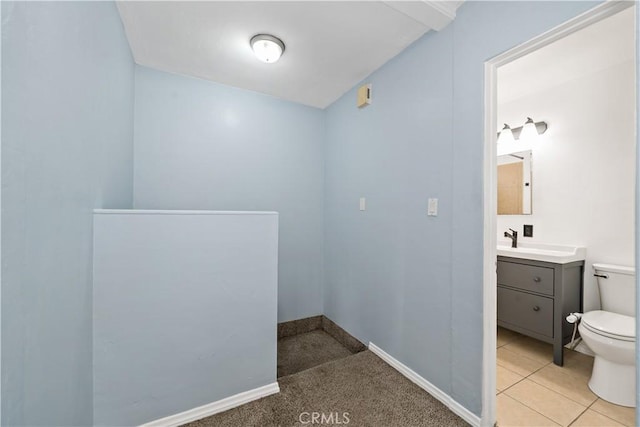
column 527, row 277
column 531, row 312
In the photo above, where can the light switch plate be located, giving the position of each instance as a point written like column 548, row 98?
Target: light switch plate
column 432, row 209
column 363, row 204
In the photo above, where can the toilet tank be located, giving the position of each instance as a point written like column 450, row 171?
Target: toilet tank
column 617, row 285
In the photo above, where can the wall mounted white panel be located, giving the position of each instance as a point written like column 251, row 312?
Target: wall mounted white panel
column 185, row 307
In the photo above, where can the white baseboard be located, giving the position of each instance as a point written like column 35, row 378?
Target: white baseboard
column 443, row 397
column 215, row 407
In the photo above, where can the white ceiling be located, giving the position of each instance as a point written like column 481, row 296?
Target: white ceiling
column 330, row 45
column 604, row 44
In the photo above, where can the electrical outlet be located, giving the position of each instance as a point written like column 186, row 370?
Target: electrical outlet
column 527, row 230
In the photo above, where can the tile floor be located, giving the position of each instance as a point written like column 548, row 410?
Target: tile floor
column 532, row 391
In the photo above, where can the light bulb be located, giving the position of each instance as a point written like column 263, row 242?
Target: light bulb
column 529, row 132
column 506, row 136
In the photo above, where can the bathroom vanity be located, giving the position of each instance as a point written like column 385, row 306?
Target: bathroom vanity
column 537, row 288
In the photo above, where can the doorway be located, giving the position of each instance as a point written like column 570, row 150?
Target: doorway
column 492, row 113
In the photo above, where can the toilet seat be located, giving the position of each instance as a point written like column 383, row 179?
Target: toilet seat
column 611, row 325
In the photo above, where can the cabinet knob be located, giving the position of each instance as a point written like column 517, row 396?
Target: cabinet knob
column 536, row 279
column 536, row 308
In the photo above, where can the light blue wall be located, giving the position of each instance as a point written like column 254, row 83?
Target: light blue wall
column 184, row 311
column 409, row 283
column 637, row 213
column 202, row 145
column 1, row 24
column 67, row 129
column 388, row 275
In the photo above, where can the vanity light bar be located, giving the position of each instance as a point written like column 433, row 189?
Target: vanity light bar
column 541, row 127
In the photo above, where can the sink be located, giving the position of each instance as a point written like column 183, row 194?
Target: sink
column 559, row 254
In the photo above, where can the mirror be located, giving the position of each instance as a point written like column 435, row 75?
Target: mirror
column 514, row 183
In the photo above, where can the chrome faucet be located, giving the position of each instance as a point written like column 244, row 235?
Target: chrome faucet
column 513, row 236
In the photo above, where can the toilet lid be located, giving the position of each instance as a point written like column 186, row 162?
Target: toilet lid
column 609, row 324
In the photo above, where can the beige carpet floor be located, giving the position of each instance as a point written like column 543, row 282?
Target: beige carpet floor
column 304, row 351
column 361, row 385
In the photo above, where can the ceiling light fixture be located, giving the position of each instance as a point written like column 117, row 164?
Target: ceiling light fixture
column 267, row 48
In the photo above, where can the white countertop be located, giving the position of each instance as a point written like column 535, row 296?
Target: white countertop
column 559, row 254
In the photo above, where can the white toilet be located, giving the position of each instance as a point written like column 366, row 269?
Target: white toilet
column 611, row 334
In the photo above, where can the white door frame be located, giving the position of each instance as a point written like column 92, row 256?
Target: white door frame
column 592, row 16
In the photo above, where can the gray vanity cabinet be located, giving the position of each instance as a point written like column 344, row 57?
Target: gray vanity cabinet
column 535, row 297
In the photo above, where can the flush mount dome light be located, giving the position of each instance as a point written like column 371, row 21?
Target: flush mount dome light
column 267, row 48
